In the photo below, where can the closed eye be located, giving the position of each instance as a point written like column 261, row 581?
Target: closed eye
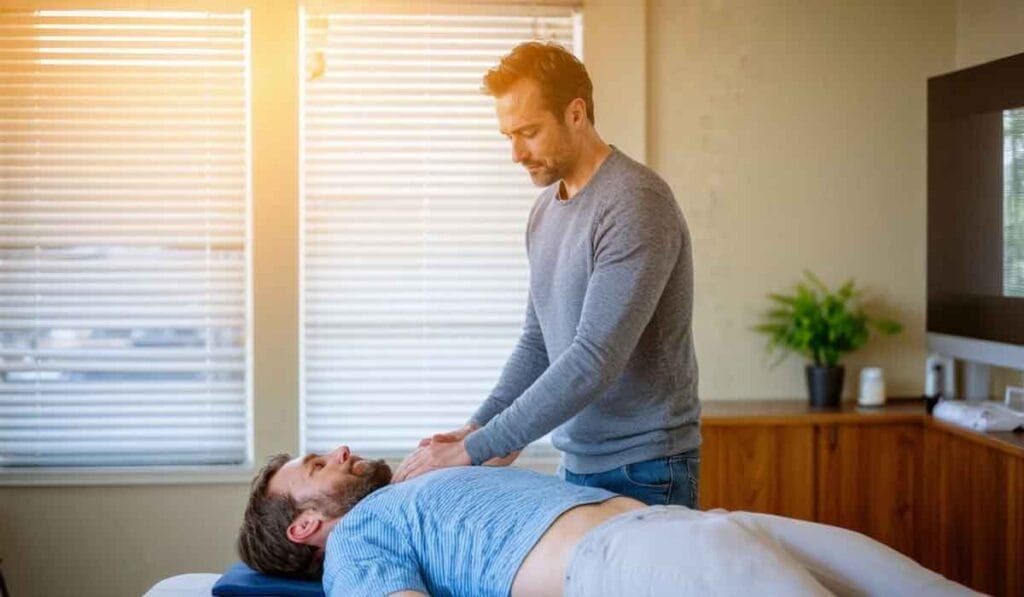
column 527, row 132
column 311, row 463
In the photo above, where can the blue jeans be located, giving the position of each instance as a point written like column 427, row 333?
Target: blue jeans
column 671, row 480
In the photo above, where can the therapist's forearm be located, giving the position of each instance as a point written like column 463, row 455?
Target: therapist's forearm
column 563, row 390
column 527, row 362
column 523, row 367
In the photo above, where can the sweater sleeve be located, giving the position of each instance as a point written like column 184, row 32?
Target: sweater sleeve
column 637, row 244
column 527, row 362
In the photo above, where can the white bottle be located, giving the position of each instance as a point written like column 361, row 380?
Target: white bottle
column 872, row 387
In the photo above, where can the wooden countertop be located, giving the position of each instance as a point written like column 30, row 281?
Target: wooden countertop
column 725, row 413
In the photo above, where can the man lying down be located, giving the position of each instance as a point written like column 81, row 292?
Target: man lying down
column 485, row 530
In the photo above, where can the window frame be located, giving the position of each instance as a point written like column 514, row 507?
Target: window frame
column 14, row 476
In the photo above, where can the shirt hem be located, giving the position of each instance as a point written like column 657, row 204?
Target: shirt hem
column 688, row 438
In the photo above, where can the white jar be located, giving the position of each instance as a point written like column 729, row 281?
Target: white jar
column 872, row 387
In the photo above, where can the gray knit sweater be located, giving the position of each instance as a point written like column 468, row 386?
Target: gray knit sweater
column 606, row 355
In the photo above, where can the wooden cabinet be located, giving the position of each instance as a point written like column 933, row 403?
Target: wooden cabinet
column 971, row 512
column 869, row 480
column 948, row 497
column 864, row 477
column 759, row 468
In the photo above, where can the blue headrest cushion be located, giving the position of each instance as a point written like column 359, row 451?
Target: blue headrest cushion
column 240, row 579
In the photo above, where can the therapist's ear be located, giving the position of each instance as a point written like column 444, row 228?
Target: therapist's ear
column 304, row 528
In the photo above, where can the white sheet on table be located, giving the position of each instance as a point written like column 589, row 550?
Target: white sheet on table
column 184, row 585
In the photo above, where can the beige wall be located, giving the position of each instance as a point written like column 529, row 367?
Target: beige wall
column 615, row 51
column 793, row 134
column 113, row 541
column 988, row 30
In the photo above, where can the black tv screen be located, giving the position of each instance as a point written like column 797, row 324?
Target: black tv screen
column 976, row 202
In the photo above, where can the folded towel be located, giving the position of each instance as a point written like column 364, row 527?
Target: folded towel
column 979, row 416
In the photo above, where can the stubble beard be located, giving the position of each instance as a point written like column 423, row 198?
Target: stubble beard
column 555, row 169
column 545, row 177
column 376, row 474
column 550, row 174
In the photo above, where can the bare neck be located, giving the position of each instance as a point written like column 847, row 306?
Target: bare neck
column 320, row 538
column 593, row 152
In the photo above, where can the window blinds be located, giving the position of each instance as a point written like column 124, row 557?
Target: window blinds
column 414, row 270
column 124, row 210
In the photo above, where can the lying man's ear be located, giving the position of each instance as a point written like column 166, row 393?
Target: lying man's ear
column 304, row 528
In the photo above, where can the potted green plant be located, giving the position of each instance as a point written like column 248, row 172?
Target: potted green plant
column 822, row 326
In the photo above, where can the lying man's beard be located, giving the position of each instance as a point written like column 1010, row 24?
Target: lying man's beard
column 377, row 474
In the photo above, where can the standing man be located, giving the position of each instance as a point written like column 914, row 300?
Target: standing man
column 606, row 357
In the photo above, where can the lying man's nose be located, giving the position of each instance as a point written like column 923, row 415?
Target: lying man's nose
column 340, row 454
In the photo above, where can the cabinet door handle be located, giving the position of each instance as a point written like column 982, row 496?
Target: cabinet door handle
column 833, row 436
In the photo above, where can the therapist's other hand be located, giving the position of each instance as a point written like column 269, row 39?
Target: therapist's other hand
column 460, row 434
column 503, row 460
column 432, row 457
column 449, row 436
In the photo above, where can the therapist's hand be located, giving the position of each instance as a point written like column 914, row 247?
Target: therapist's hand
column 432, row 457
column 450, row 436
column 503, row 460
column 460, row 434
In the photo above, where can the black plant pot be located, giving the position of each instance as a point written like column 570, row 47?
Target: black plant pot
column 825, row 385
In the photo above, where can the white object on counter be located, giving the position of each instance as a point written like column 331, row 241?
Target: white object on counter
column 979, row 416
column 939, row 377
column 872, row 387
column 1014, row 399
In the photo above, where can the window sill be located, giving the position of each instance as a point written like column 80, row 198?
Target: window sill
column 151, row 475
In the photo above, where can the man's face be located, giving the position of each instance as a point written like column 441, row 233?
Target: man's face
column 541, row 142
column 331, row 483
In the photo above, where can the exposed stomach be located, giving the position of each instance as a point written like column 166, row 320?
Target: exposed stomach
column 544, row 568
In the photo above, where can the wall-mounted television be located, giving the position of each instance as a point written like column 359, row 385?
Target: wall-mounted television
column 976, row 213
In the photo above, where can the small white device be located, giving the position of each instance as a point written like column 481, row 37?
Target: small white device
column 1014, row 399
column 939, row 377
column 872, row 387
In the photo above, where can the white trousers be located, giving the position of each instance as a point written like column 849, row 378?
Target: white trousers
column 672, row 550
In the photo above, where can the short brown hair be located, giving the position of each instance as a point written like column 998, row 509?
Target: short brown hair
column 561, row 76
column 263, row 542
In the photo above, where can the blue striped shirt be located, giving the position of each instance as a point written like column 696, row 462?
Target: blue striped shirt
column 457, row 531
